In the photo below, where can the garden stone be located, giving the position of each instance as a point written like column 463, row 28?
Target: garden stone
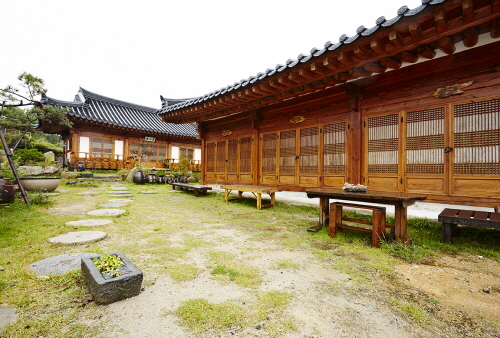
column 78, row 237
column 58, row 265
column 88, row 193
column 106, row 212
column 8, row 316
column 106, row 291
column 113, row 205
column 149, row 192
column 122, row 195
column 118, row 188
column 89, row 222
column 118, row 192
column 124, row 200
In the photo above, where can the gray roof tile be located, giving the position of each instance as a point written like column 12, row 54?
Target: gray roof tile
column 113, row 112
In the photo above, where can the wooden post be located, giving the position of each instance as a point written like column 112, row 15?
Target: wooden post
column 8, row 153
column 335, row 218
column 354, row 94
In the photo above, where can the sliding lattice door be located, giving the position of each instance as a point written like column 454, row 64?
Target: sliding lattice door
column 334, row 154
column 475, row 154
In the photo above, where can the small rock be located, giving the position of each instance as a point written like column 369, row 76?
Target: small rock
column 2, row 268
column 270, row 318
column 258, row 327
column 472, row 290
column 485, row 289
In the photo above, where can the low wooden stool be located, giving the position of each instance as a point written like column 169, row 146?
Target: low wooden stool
column 377, row 223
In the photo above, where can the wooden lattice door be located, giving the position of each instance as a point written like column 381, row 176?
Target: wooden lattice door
column 334, row 154
column 210, row 161
column 424, row 151
column 475, row 149
column 221, row 161
column 381, row 168
column 245, row 160
column 309, row 164
column 269, row 154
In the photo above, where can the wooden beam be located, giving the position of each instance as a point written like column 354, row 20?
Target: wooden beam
column 331, row 81
column 361, row 52
column 408, row 57
column 441, row 22
column 342, row 76
column 306, row 73
column 330, row 63
column 471, row 37
column 344, row 58
column 446, row 45
column 396, row 39
column 377, row 46
column 318, row 68
column 495, row 28
column 284, row 81
column 276, row 84
column 374, row 67
column 467, row 11
column 358, row 72
column 390, row 63
column 296, row 77
column 415, row 31
column 266, row 87
column 426, row 52
column 495, row 6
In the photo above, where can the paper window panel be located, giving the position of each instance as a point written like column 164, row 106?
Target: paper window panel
column 232, row 156
column 383, row 144
column 246, row 154
column 287, row 152
column 269, row 145
column 221, row 156
column 309, row 147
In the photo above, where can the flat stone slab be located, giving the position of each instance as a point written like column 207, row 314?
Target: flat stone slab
column 50, row 193
column 121, row 200
column 88, row 193
column 119, row 192
column 89, row 222
column 78, row 237
column 113, row 205
column 59, row 265
column 106, row 212
column 118, row 188
column 8, row 316
column 122, row 195
column 149, row 192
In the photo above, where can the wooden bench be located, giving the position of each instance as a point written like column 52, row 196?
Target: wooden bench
column 377, row 223
column 451, row 218
column 257, row 191
column 196, row 188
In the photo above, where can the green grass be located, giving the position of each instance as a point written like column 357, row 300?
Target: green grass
column 174, row 233
column 410, row 310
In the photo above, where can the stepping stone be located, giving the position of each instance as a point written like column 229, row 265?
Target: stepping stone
column 59, row 265
column 148, row 192
column 8, row 315
column 122, row 195
column 119, row 192
column 106, row 212
column 89, row 222
column 88, row 193
column 50, row 193
column 118, row 188
column 118, row 200
column 113, row 205
column 78, row 237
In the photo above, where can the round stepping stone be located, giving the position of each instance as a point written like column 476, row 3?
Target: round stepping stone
column 89, row 222
column 88, row 193
column 50, row 193
column 8, row 315
column 118, row 188
column 58, row 265
column 148, row 192
column 106, row 212
column 122, row 195
column 119, row 192
column 78, row 237
column 118, row 200
column 113, row 205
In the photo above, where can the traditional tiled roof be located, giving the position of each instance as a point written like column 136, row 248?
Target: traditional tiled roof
column 101, row 109
column 176, row 111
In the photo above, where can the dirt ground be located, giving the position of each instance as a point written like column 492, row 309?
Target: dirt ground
column 461, row 294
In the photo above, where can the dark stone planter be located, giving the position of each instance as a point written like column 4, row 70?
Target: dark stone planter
column 106, row 291
column 7, row 191
column 87, row 175
column 139, row 177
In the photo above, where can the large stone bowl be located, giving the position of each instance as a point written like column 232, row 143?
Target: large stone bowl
column 40, row 183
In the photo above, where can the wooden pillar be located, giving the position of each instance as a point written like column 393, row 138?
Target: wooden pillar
column 201, row 136
column 254, row 122
column 354, row 96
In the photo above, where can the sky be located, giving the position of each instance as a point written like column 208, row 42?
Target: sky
column 135, row 51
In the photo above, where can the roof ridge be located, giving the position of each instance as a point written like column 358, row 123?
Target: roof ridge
column 86, row 93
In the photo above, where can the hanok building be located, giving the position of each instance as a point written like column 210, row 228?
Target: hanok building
column 410, row 105
column 113, row 134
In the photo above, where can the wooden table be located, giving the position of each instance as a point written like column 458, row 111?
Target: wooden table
column 400, row 201
column 256, row 190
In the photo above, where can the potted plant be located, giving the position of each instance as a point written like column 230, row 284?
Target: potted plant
column 111, row 277
column 183, row 168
